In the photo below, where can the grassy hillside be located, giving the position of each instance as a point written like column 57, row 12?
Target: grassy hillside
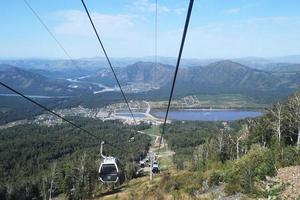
column 240, row 156
column 238, row 160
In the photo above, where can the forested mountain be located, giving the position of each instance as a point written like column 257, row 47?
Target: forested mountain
column 231, row 77
column 222, row 75
column 285, row 68
column 140, row 72
column 33, row 83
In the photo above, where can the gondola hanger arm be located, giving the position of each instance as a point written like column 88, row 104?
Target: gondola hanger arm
column 101, row 149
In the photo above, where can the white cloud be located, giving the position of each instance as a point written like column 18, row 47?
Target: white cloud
column 125, row 36
column 75, row 22
column 180, row 11
column 146, row 6
column 274, row 19
column 232, row 11
column 121, row 33
column 266, row 36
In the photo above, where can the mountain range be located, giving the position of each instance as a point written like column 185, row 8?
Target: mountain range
column 224, row 76
column 221, row 75
column 32, row 83
column 96, row 63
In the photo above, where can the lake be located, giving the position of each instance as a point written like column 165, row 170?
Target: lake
column 208, row 115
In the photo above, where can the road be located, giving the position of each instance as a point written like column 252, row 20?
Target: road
column 164, row 153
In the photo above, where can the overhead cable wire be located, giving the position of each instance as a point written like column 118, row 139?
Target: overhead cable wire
column 156, row 10
column 57, row 115
column 35, row 13
column 190, row 8
column 47, row 109
column 42, row 22
column 110, row 64
column 48, row 29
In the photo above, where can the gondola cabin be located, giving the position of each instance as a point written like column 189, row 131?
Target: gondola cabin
column 142, row 164
column 109, row 170
column 147, row 160
column 155, row 168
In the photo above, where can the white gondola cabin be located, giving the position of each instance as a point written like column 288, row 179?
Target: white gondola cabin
column 142, row 163
column 109, row 170
column 155, row 168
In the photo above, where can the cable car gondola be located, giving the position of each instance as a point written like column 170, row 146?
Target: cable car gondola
column 142, row 163
column 155, row 168
column 109, row 170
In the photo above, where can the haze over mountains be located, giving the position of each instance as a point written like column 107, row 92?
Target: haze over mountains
column 60, row 77
column 33, row 83
column 101, row 62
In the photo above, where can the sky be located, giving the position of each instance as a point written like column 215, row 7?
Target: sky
column 218, row 28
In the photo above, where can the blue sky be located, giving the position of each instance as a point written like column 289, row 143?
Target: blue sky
column 218, row 28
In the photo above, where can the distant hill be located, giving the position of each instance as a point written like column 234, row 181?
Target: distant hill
column 57, row 68
column 32, row 83
column 83, row 65
column 147, row 72
column 139, row 72
column 285, row 68
column 269, row 64
column 222, row 75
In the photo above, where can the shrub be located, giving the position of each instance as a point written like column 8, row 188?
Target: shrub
column 289, row 157
column 232, row 188
column 233, row 182
column 215, row 178
column 257, row 164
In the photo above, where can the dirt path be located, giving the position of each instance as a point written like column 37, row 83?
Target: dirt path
column 164, row 153
column 139, row 184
